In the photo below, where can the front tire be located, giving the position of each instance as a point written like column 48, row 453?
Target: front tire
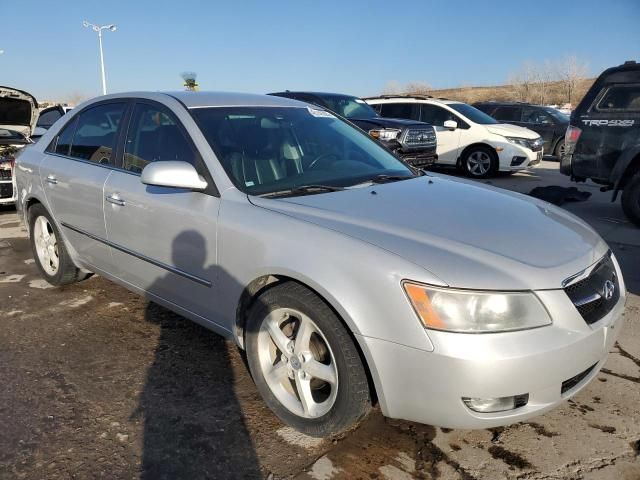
column 631, row 199
column 304, row 362
column 50, row 254
column 480, row 162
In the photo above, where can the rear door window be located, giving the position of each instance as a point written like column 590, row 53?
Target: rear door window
column 96, row 133
column 409, row 111
column 508, row 113
column 620, row 98
column 62, row 144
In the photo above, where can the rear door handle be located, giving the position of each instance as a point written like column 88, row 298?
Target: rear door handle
column 115, row 199
column 52, row 179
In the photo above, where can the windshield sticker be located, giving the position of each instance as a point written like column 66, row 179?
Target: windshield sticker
column 319, row 113
column 249, row 184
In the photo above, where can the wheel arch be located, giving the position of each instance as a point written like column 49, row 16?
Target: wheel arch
column 627, row 164
column 28, row 202
column 261, row 284
column 473, row 145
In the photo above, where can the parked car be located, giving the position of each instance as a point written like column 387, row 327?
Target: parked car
column 603, row 139
column 467, row 138
column 413, row 141
column 551, row 124
column 345, row 275
column 18, row 115
column 48, row 116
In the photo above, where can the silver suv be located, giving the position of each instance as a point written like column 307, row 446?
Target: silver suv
column 347, row 277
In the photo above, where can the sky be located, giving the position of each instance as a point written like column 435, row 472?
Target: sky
column 356, row 47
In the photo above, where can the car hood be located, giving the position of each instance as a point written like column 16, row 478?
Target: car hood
column 467, row 234
column 18, row 111
column 507, row 130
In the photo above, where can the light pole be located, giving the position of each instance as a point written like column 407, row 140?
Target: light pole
column 96, row 28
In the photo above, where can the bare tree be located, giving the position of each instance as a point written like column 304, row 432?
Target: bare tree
column 74, row 98
column 571, row 71
column 522, row 82
column 392, row 87
column 544, row 75
column 418, row 88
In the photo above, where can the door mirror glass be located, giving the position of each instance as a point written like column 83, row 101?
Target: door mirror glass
column 450, row 124
column 174, row 174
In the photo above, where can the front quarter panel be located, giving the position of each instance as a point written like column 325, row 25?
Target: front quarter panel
column 361, row 282
column 28, row 183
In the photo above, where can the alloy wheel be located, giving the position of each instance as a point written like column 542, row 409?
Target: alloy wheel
column 478, row 163
column 46, row 245
column 297, row 363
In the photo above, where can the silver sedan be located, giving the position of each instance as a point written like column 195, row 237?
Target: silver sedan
column 348, row 277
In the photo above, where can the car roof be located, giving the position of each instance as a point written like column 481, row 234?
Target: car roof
column 315, row 94
column 207, row 99
column 410, row 99
column 507, row 103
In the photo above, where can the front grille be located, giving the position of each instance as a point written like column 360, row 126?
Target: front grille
column 5, row 174
column 418, row 161
column 418, row 138
column 6, row 190
column 575, row 381
column 536, row 148
column 595, row 295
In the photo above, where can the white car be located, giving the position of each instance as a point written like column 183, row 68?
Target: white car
column 467, row 137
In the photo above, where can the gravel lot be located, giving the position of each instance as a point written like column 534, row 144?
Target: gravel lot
column 95, row 382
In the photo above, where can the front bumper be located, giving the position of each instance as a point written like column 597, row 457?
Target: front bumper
column 427, row 387
column 514, row 158
column 418, row 159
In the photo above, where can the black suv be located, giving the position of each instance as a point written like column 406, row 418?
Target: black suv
column 603, row 138
column 549, row 123
column 414, row 142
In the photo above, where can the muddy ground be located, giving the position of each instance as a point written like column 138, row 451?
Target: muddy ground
column 95, row 382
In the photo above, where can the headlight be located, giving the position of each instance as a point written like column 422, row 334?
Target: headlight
column 472, row 311
column 523, row 142
column 385, row 133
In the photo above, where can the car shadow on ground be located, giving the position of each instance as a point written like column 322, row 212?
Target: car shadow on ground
column 193, row 422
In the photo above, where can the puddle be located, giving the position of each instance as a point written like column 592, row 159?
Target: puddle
column 40, row 283
column 12, row 279
column 510, row 458
column 323, row 469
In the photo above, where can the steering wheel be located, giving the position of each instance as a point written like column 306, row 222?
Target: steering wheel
column 321, row 157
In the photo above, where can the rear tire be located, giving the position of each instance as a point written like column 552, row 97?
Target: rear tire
column 631, row 199
column 480, row 162
column 559, row 150
column 304, row 362
column 49, row 251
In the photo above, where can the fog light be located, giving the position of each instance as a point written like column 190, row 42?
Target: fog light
column 499, row 404
column 515, row 161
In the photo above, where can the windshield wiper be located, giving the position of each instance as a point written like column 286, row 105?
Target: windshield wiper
column 386, row 178
column 303, row 189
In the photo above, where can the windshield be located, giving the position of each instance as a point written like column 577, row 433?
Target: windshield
column 473, row 114
column 558, row 115
column 349, row 107
column 270, row 149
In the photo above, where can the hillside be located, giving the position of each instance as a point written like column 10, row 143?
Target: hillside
column 552, row 93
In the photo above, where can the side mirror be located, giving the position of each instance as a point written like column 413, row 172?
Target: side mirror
column 172, row 174
column 450, row 124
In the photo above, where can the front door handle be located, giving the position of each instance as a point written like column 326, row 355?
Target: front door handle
column 115, row 199
column 51, row 178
